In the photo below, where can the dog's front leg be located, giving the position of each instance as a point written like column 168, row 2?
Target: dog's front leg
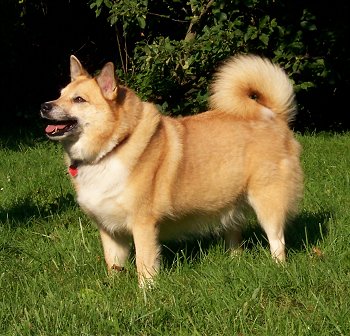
column 116, row 249
column 145, row 232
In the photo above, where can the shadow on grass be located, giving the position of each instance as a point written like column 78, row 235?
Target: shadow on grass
column 33, row 207
column 305, row 230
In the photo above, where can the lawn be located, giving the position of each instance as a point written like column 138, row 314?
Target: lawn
column 53, row 280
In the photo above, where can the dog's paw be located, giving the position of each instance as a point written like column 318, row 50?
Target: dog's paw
column 116, row 268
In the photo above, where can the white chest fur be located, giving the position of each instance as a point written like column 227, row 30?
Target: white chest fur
column 101, row 189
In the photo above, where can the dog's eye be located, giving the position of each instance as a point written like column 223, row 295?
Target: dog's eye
column 79, row 99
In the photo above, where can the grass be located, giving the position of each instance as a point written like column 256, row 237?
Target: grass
column 53, row 279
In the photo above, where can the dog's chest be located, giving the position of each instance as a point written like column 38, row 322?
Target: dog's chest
column 101, row 190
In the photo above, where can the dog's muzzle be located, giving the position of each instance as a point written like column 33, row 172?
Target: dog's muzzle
column 58, row 124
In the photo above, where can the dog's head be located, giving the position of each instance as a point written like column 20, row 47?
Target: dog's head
column 92, row 114
column 83, row 102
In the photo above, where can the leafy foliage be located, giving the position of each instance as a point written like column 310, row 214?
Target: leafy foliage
column 168, row 49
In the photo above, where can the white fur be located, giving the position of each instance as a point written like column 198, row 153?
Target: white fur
column 100, row 191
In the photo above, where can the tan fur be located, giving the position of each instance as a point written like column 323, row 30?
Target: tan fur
column 146, row 177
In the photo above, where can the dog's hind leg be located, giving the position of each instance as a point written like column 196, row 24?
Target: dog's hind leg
column 271, row 208
column 232, row 223
column 233, row 240
column 116, row 249
column 274, row 192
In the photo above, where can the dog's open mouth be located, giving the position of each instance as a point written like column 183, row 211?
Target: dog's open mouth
column 60, row 127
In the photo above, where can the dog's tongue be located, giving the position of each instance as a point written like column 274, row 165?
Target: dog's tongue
column 52, row 128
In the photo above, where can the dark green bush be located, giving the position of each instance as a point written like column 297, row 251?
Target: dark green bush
column 169, row 49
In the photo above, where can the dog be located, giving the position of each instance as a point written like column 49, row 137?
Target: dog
column 144, row 177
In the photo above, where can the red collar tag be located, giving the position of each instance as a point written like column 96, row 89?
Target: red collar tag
column 73, row 170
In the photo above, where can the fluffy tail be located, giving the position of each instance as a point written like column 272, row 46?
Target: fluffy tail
column 250, row 87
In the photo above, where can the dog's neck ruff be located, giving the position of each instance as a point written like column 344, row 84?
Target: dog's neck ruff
column 73, row 167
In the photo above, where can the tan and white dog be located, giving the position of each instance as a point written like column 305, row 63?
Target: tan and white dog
column 144, row 177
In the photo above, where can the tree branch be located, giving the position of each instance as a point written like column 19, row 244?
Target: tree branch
column 190, row 34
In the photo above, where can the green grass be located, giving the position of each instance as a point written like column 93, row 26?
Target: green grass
column 53, row 279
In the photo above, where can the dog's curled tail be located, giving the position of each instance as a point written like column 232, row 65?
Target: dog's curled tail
column 250, row 86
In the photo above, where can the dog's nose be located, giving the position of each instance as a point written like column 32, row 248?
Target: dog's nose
column 46, row 107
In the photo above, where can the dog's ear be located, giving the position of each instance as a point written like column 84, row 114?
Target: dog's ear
column 76, row 69
column 107, row 82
